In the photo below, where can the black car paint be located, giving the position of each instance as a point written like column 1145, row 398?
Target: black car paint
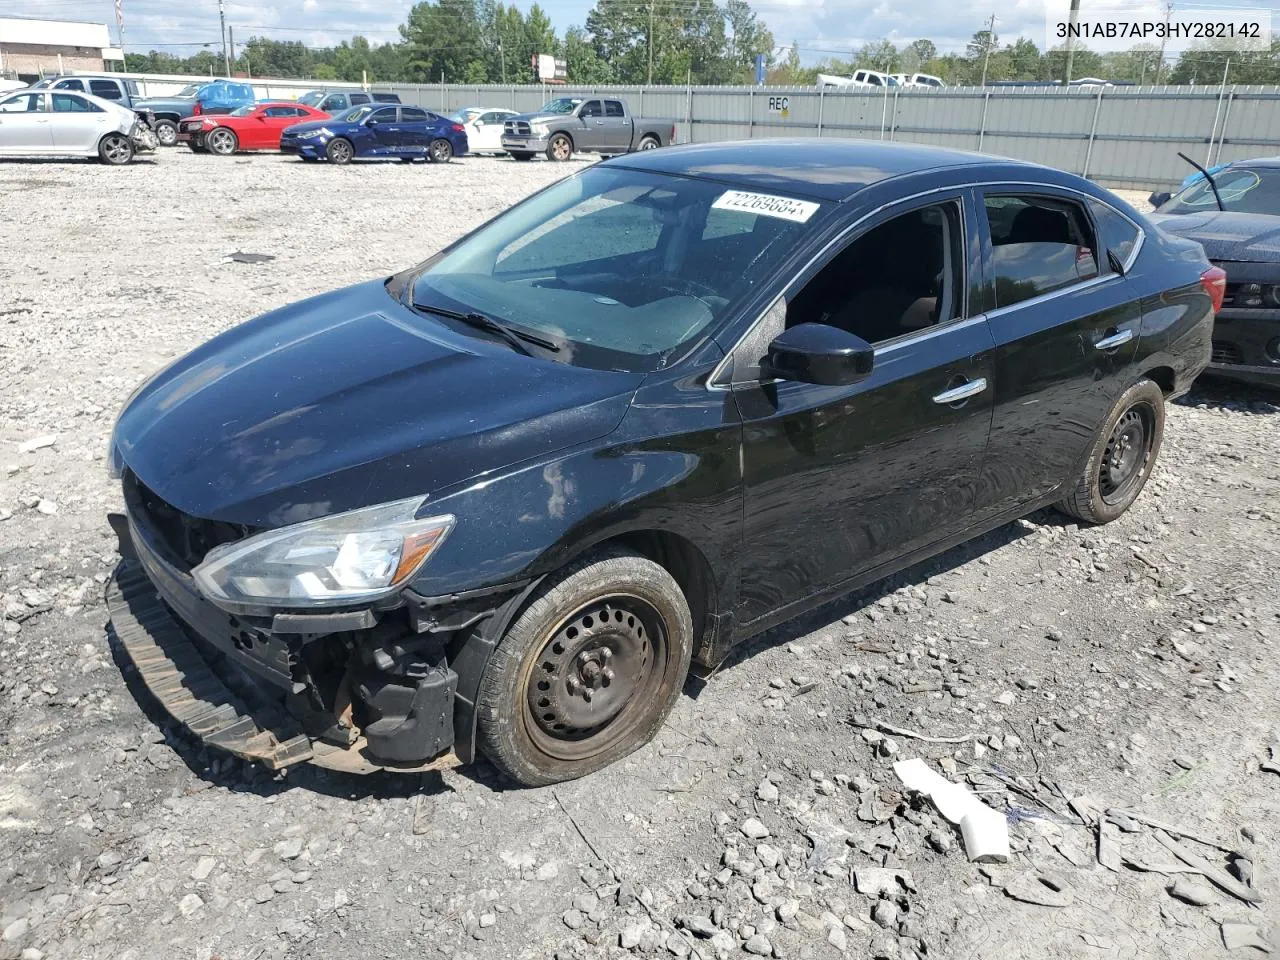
column 763, row 498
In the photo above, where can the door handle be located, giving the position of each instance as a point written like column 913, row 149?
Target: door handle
column 962, row 392
column 1115, row 340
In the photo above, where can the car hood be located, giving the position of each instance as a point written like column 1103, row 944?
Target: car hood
column 532, row 117
column 347, row 400
column 183, row 105
column 308, row 125
column 1227, row 235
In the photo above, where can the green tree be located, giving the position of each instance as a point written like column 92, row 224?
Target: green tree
column 582, row 63
column 747, row 38
column 443, row 40
column 925, row 50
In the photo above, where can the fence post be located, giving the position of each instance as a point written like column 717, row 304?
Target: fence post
column 982, row 127
column 893, row 117
column 751, row 113
column 1222, row 134
column 821, row 100
column 884, row 109
column 1093, row 131
column 688, row 110
column 640, row 106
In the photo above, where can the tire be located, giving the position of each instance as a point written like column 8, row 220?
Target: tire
column 166, row 132
column 1122, row 457
column 340, row 151
column 560, row 148
column 222, row 141
column 440, row 150
column 521, row 157
column 649, row 143
column 539, row 725
column 115, row 149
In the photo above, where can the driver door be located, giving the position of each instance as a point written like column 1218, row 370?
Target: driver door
column 24, row 125
column 842, row 480
column 383, row 132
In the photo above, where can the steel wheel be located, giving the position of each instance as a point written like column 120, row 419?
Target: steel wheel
column 116, row 149
column 221, row 141
column 441, row 151
column 1128, row 449
column 166, row 132
column 339, row 151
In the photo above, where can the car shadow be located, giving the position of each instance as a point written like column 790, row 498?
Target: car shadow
column 1221, row 393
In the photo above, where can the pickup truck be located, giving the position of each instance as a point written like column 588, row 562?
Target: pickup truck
column 335, row 103
column 584, row 125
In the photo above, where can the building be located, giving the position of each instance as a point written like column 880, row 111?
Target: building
column 31, row 48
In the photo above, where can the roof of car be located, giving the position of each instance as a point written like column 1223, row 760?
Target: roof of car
column 827, row 169
column 1257, row 162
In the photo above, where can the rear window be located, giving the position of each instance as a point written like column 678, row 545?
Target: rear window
column 1038, row 245
column 69, row 85
column 1117, row 233
column 612, row 108
column 413, row 114
column 107, row 89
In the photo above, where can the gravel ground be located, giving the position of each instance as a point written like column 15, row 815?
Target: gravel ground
column 1131, row 666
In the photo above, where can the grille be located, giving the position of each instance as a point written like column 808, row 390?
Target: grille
column 517, row 128
column 186, row 539
column 1224, row 352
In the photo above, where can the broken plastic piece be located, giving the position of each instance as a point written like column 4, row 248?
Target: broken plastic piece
column 984, row 831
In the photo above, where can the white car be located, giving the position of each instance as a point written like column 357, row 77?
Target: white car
column 62, row 123
column 919, row 80
column 859, row 78
column 484, row 128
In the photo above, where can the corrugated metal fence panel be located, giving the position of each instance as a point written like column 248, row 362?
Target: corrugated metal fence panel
column 1250, row 124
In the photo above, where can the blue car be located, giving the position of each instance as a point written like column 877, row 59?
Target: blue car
column 222, row 96
column 377, row 131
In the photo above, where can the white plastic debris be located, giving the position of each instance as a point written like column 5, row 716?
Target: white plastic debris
column 38, row 443
column 985, row 831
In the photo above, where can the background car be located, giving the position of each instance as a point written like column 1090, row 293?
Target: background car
column 169, row 111
column 254, row 127
column 64, row 123
column 484, row 127
column 373, row 131
column 1243, row 238
column 335, row 102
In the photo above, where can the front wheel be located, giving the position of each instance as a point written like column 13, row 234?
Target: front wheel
column 115, row 149
column 588, row 672
column 340, row 151
column 222, row 141
column 166, row 132
column 440, row 151
column 560, row 148
column 1122, row 458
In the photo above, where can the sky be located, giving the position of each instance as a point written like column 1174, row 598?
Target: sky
column 819, row 27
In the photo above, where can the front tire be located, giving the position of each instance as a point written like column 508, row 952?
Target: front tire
column 1123, row 455
column 588, row 672
column 340, row 151
column 440, row 151
column 115, row 149
column 166, row 132
column 560, row 148
column 222, row 141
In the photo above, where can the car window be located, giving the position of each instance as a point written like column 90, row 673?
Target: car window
column 311, row 99
column 70, row 103
column 384, row 115
column 359, row 98
column 1038, row 245
column 900, row 277
column 413, row 115
column 613, row 108
column 1116, row 232
column 26, row 103
column 107, row 89
column 277, row 111
column 591, row 109
column 247, row 110
column 493, row 116
column 333, row 103
column 69, row 85
column 1243, row 190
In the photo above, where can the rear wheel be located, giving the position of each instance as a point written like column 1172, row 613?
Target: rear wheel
column 520, row 156
column 222, row 141
column 340, row 151
column 560, row 148
column 1122, row 458
column 115, row 149
column 166, row 132
column 440, row 151
column 649, row 143
column 588, row 672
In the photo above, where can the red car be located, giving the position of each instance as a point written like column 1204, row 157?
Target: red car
column 253, row 127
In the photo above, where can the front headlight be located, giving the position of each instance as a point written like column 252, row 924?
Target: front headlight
column 348, row 558
column 322, row 132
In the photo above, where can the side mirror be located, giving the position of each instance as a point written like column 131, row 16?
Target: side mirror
column 371, row 122
column 1159, row 198
column 818, row 353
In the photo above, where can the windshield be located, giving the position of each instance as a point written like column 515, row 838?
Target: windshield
column 244, row 111
column 562, row 105
column 1243, row 190
column 188, row 91
column 626, row 269
column 356, row 114
column 312, row 99
column 43, row 84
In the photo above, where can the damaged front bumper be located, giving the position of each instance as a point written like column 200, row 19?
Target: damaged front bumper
column 357, row 691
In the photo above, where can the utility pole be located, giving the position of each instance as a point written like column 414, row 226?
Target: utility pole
column 1073, row 22
column 231, row 42
column 222, row 17
column 991, row 42
column 650, row 41
column 1168, row 15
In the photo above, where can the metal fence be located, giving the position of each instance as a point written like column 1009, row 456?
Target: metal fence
column 1118, row 136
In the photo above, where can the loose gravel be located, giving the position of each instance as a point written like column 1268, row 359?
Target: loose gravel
column 1131, row 666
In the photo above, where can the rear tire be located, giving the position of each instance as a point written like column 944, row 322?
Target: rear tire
column 340, row 151
column 649, row 143
column 440, row 150
column 1122, row 458
column 521, row 157
column 222, row 141
column 115, row 149
column 560, row 148
column 588, row 672
column 166, row 132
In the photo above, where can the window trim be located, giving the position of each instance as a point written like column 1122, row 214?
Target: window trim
column 988, row 247
column 713, row 379
column 1137, row 242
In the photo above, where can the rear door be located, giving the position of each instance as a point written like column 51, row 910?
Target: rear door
column 107, row 90
column 616, row 137
column 591, row 134
column 1066, row 328
column 24, row 125
column 417, row 127
column 77, row 123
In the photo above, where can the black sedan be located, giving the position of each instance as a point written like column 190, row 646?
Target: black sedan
column 505, row 500
column 1239, row 228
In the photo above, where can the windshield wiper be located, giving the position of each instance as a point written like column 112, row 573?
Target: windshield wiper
column 516, row 338
column 1208, row 176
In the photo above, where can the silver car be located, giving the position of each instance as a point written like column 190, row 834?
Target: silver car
column 38, row 123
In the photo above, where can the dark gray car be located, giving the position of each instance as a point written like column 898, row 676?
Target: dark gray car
column 169, row 110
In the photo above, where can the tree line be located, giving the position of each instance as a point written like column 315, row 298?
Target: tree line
column 672, row 42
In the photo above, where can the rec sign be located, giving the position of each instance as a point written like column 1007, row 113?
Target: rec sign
column 780, row 105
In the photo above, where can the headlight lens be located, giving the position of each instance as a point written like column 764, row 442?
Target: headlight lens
column 322, row 132
column 1257, row 295
column 348, row 558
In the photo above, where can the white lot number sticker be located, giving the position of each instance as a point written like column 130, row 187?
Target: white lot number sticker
column 766, row 205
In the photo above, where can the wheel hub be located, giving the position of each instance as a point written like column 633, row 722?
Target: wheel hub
column 588, row 671
column 1125, row 453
